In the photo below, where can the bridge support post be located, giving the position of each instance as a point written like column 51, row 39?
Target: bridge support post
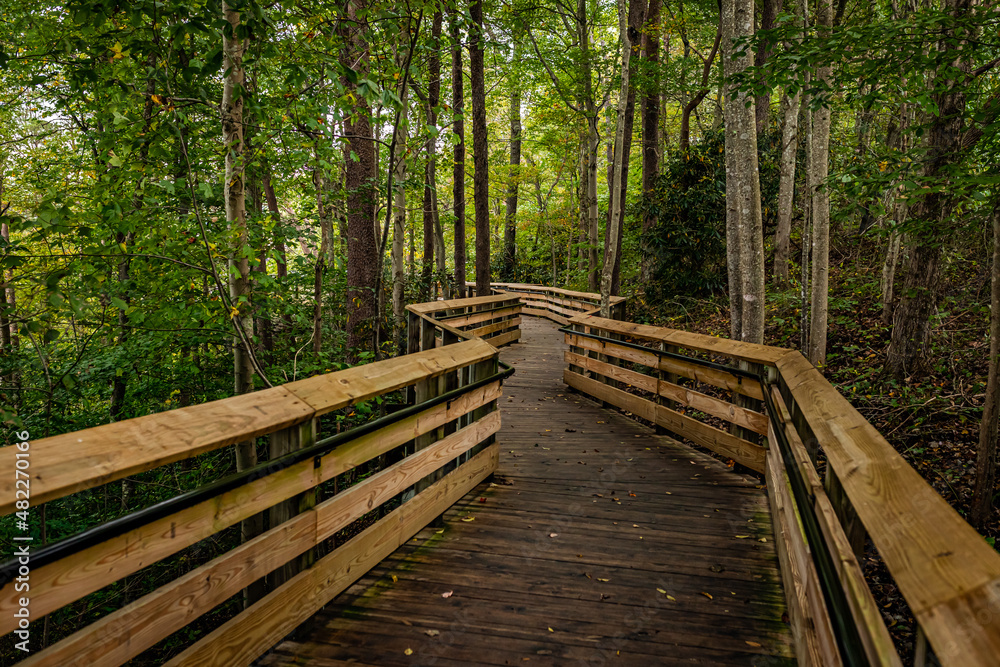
column 281, row 443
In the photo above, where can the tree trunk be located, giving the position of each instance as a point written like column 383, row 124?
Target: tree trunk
column 324, row 211
column 786, row 186
column 480, row 181
column 804, row 287
column 590, row 106
column 650, row 131
column 239, row 264
column 989, row 428
column 819, row 165
column 509, row 261
column 615, row 201
column 279, row 240
column 362, row 246
column 399, row 235
column 932, row 215
column 458, row 179
column 768, row 14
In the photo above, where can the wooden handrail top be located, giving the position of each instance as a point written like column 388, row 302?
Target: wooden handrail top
column 72, row 462
column 558, row 290
column 436, row 306
column 944, row 568
column 751, row 352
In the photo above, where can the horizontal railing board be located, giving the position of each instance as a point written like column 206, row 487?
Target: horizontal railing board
column 867, row 616
column 544, row 313
column 333, row 391
column 73, row 462
column 171, row 607
column 437, row 306
column 943, row 567
column 742, row 451
column 751, row 352
column 695, row 400
column 689, row 369
column 250, row 634
column 64, row 581
column 477, row 317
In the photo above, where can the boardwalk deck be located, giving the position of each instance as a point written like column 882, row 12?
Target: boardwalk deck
column 598, row 543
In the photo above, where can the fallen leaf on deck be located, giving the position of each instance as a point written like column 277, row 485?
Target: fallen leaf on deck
column 395, row 578
column 408, row 651
column 708, row 595
column 551, row 630
column 482, row 500
column 432, row 633
column 660, row 590
column 754, row 644
column 553, row 534
column 603, row 579
column 763, row 539
column 468, row 518
column 447, row 594
column 742, row 537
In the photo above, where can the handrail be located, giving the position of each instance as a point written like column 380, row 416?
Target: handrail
column 948, row 574
column 451, row 449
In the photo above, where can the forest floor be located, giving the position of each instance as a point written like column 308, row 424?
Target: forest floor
column 932, row 417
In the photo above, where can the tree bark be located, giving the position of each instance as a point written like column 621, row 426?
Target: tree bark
column 615, row 203
column 762, row 104
column 324, row 212
column 989, row 428
column 398, row 204
column 430, row 169
column 931, row 215
column 458, row 179
column 819, row 165
column 786, row 186
column 233, row 47
column 480, row 181
column 650, row 110
column 362, row 246
column 509, row 262
column 591, row 112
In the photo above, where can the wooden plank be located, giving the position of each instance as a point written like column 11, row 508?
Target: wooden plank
column 716, row 440
column 807, row 620
column 630, row 377
column 254, row 631
column 333, row 391
column 865, row 612
column 546, row 314
column 748, row 419
column 129, row 631
column 72, row 462
column 935, row 557
column 752, row 352
column 496, row 326
column 690, row 370
column 62, row 582
column 437, row 306
column 477, row 317
column 504, row 339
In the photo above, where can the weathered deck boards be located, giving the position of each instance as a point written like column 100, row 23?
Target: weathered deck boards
column 600, row 543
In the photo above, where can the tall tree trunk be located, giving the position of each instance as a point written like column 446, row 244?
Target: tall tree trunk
column 430, row 172
column 239, row 264
column 727, row 19
column 458, row 178
column 590, row 106
column 989, row 428
column 584, row 199
column 743, row 224
column 615, row 203
column 805, row 290
column 362, row 246
column 819, row 165
column 279, row 239
column 480, row 181
column 786, row 185
column 932, row 214
column 324, row 211
column 762, row 104
column 399, row 235
column 509, row 260
column 650, row 130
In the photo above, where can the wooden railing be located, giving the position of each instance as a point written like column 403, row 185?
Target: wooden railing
column 429, row 454
column 495, row 318
column 556, row 304
column 783, row 418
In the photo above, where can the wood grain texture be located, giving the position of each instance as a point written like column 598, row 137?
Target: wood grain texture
column 67, row 580
column 253, row 632
column 714, row 439
column 124, row 634
column 590, row 514
column 764, row 354
column 943, row 567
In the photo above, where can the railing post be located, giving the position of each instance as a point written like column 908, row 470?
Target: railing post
column 280, row 443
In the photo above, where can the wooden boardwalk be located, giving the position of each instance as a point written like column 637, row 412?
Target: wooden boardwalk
column 597, row 543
